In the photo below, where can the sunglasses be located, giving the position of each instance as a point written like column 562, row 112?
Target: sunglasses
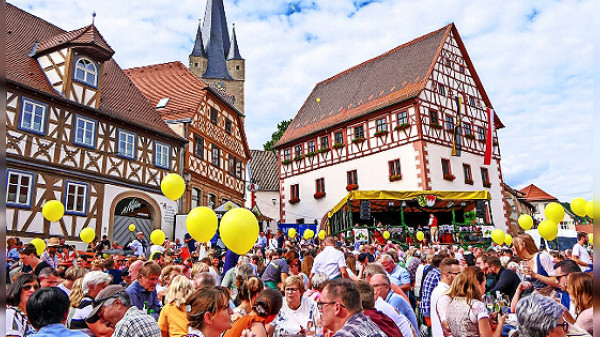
column 29, row 286
column 322, row 304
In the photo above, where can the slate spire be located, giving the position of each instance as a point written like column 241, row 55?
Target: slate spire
column 216, row 40
column 234, row 52
column 198, row 45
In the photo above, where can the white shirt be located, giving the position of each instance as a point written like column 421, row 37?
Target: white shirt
column 418, row 277
column 137, row 247
column 329, row 261
column 581, row 253
column 436, row 324
column 290, row 321
column 63, row 288
column 401, row 321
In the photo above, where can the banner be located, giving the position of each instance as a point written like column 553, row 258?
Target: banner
column 489, row 138
column 361, row 234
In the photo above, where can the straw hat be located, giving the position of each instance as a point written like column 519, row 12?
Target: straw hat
column 53, row 242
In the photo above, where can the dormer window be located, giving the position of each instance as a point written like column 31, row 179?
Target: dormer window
column 86, row 72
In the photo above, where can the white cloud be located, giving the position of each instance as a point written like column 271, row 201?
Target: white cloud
column 537, row 73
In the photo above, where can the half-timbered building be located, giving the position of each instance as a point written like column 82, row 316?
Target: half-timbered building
column 217, row 151
column 80, row 132
column 389, row 123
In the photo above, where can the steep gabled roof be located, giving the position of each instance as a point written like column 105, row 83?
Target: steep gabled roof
column 88, row 37
column 234, row 51
column 534, row 193
column 120, row 99
column 393, row 77
column 264, row 170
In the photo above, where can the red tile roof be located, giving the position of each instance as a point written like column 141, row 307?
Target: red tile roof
column 170, row 80
column 393, row 77
column 119, row 99
column 86, row 36
column 534, row 193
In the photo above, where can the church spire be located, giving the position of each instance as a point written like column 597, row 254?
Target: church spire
column 234, row 52
column 216, row 40
column 198, row 45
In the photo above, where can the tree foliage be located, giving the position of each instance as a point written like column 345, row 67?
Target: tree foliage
column 281, row 127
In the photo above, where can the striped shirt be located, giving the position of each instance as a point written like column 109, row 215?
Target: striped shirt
column 136, row 323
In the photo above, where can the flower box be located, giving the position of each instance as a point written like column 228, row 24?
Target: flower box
column 287, row 161
column 402, row 126
column 487, row 184
column 381, row 133
column 310, row 154
column 324, row 150
column 319, row 195
column 435, row 125
column 469, row 181
column 294, row 200
column 298, row 158
column 395, row 177
column 449, row 176
column 351, row 187
column 338, row 145
column 470, row 136
column 358, row 140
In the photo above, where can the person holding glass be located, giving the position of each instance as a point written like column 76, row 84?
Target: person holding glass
column 297, row 312
column 538, row 268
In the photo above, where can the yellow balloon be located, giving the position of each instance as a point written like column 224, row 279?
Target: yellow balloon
column 233, row 224
column 292, row 232
column 554, row 212
column 591, row 238
column 172, row 186
column 589, row 209
column 322, row 234
column 87, row 235
column 548, row 230
column 157, row 237
column 498, row 236
column 39, row 244
column 386, row 235
column 508, row 239
column 53, row 210
column 578, row 206
column 420, row 236
column 131, row 227
column 308, row 234
column 202, row 224
column 526, row 221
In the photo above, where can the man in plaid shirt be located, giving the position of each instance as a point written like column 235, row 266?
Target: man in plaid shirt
column 113, row 306
column 430, row 282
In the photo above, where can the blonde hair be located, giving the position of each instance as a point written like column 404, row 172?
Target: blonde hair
column 179, row 290
column 198, row 268
column 466, row 285
column 581, row 290
column 76, row 294
column 524, row 243
column 165, row 275
column 295, row 280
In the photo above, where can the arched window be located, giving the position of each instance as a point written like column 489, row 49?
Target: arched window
column 196, row 194
column 86, row 72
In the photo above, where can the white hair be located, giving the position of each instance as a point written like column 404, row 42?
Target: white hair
column 94, row 278
column 537, row 315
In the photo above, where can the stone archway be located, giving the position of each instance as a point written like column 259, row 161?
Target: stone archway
column 154, row 207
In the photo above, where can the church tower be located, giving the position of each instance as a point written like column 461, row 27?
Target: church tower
column 215, row 57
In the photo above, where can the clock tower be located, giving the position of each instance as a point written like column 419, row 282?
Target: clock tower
column 216, row 58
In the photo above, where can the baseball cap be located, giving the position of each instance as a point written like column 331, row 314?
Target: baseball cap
column 103, row 295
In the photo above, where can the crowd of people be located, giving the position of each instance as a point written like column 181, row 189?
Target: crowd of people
column 296, row 287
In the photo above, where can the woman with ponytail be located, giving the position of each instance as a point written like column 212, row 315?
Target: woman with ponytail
column 264, row 310
column 247, row 293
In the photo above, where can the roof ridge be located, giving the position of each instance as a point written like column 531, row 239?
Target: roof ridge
column 154, row 65
column 35, row 16
column 423, row 37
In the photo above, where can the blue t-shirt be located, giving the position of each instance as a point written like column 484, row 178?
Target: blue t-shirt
column 403, row 307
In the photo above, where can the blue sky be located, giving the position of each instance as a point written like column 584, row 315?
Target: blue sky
column 535, row 59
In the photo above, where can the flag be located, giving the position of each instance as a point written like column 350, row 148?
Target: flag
column 456, row 142
column 489, row 138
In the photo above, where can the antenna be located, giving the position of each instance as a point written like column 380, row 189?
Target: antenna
column 93, row 17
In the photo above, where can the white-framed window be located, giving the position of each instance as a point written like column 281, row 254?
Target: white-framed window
column 359, row 132
column 19, row 188
column 381, row 125
column 127, row 146
column 33, row 116
column 76, row 194
column 162, row 154
column 86, row 71
column 216, row 156
column 85, row 132
column 402, row 117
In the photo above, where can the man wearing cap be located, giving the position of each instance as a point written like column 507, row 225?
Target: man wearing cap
column 49, row 256
column 113, row 307
column 139, row 245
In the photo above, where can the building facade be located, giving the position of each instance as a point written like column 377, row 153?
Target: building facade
column 263, row 186
column 79, row 131
column 217, row 152
column 390, row 123
column 540, row 199
column 516, row 205
column 216, row 58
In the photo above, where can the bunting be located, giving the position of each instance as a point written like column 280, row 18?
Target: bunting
column 489, row 137
column 457, row 141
